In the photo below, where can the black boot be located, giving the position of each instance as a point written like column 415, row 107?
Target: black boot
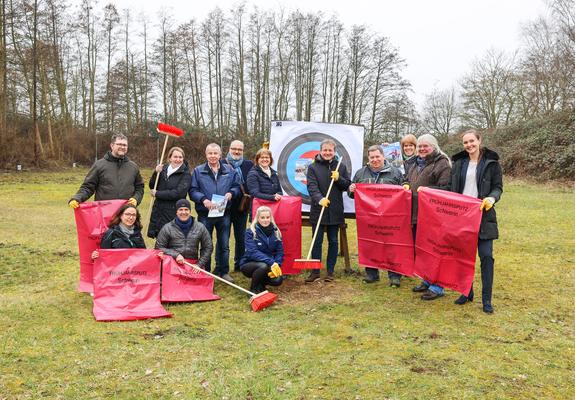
column 464, row 299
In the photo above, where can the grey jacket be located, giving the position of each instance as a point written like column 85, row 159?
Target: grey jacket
column 112, row 178
column 389, row 175
column 171, row 240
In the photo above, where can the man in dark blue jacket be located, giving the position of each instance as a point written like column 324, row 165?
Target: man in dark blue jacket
column 215, row 177
column 235, row 159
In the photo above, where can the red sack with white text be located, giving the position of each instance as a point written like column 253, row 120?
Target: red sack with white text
column 127, row 285
column 183, row 283
column 92, row 220
column 287, row 214
column 446, row 243
column 384, row 234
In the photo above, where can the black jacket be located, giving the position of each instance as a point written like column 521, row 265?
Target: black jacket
column 112, row 178
column 318, row 179
column 114, row 238
column 489, row 184
column 168, row 192
column 261, row 185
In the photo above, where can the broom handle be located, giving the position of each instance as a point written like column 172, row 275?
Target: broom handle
column 219, row 278
column 321, row 212
column 156, row 182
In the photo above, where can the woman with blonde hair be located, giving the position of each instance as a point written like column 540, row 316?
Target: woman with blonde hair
column 408, row 151
column 264, row 251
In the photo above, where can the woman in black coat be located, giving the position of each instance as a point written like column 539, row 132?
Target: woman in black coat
column 124, row 231
column 262, row 181
column 476, row 172
column 173, row 185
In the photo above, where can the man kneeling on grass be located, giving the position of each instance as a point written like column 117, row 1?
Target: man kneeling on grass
column 183, row 238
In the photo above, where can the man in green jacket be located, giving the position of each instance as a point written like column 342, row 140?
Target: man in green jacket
column 112, row 177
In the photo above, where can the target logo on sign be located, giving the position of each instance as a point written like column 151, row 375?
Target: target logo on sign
column 295, row 158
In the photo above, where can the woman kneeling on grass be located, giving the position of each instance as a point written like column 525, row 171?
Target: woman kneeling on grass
column 264, row 252
column 124, row 231
column 476, row 172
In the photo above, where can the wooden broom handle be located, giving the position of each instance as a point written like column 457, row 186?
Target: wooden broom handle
column 156, row 182
column 197, row 268
column 321, row 212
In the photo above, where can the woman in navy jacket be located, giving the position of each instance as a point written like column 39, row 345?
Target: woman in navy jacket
column 262, row 180
column 476, row 172
column 264, row 252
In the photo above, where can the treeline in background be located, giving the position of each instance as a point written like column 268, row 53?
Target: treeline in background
column 72, row 73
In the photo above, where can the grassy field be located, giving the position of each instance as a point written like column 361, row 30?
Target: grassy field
column 344, row 340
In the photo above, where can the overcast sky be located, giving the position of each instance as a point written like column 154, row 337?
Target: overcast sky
column 438, row 38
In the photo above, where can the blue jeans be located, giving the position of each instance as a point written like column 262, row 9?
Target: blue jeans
column 434, row 288
column 238, row 221
column 332, row 231
column 222, row 225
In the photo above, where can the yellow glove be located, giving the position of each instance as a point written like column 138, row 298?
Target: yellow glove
column 335, row 175
column 275, row 272
column 406, row 186
column 487, row 203
column 73, row 204
column 324, row 202
column 419, row 188
column 132, row 202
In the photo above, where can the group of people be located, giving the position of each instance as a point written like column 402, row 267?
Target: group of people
column 258, row 254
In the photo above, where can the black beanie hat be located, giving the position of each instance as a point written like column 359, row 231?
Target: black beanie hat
column 183, row 203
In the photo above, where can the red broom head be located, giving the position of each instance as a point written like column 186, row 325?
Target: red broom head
column 262, row 300
column 304, row 263
column 169, row 130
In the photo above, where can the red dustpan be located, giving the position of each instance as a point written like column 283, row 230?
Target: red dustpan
column 258, row 301
column 309, row 263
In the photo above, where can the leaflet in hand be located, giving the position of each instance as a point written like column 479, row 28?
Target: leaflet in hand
column 220, row 203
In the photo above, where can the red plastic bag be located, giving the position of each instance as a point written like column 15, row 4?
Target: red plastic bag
column 287, row 214
column 127, row 285
column 446, row 243
column 384, row 234
column 92, row 220
column 183, row 283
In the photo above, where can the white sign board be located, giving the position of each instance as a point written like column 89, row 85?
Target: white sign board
column 294, row 145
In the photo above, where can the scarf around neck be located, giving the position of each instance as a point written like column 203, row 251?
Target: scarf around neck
column 185, row 226
column 236, row 164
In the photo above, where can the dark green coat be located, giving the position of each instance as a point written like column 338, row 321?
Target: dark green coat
column 112, row 178
column 489, row 184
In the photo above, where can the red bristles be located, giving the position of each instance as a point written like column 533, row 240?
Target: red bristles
column 262, row 300
column 169, row 130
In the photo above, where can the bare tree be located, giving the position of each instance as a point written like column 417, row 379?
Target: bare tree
column 440, row 112
column 488, row 91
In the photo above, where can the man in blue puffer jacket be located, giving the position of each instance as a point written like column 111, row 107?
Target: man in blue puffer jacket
column 210, row 178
